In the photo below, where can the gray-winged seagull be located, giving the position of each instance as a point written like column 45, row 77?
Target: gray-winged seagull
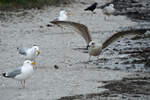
column 21, row 73
column 29, row 53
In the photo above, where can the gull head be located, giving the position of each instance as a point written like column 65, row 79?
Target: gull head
column 36, row 49
column 29, row 62
column 95, row 3
column 111, row 5
column 92, row 44
column 63, row 15
column 63, row 12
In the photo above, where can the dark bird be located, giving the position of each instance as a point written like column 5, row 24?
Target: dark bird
column 92, row 7
column 94, row 49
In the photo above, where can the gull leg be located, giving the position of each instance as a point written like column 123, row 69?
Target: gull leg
column 24, row 83
column 105, row 18
column 35, row 67
column 89, row 57
column 21, row 83
column 18, row 83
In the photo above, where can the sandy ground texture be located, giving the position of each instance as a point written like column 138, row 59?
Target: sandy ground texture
column 75, row 75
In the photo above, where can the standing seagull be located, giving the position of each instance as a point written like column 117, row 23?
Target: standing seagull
column 29, row 53
column 96, row 48
column 92, row 7
column 21, row 73
column 108, row 10
column 63, row 16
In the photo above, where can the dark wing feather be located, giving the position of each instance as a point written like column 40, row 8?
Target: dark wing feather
column 22, row 51
column 79, row 28
column 92, row 7
column 14, row 73
column 119, row 34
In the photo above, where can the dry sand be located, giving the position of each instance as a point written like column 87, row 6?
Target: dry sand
column 28, row 27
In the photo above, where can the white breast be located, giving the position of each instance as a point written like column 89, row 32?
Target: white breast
column 26, row 72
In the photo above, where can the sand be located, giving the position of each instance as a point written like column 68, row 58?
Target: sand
column 28, row 27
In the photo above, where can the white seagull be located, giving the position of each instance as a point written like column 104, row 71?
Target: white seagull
column 108, row 10
column 63, row 15
column 29, row 53
column 94, row 49
column 21, row 73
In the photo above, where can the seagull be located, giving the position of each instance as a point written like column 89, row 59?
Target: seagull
column 21, row 73
column 94, row 49
column 92, row 7
column 108, row 10
column 29, row 53
column 63, row 16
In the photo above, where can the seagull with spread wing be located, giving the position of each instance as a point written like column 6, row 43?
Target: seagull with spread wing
column 29, row 53
column 96, row 48
column 21, row 73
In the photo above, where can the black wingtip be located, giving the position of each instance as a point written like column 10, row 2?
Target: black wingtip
column 4, row 74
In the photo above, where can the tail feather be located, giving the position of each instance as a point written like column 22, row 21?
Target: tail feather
column 86, row 9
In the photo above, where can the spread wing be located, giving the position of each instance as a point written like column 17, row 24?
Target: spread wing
column 79, row 28
column 117, row 35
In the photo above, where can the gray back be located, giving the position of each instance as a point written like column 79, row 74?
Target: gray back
column 14, row 73
column 22, row 51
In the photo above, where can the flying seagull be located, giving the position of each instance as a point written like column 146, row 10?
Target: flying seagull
column 108, row 10
column 63, row 16
column 21, row 73
column 96, row 48
column 29, row 53
column 92, row 7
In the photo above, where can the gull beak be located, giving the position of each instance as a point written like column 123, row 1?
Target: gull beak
column 33, row 63
column 38, row 52
column 68, row 14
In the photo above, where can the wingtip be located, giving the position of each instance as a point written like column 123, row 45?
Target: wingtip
column 4, row 74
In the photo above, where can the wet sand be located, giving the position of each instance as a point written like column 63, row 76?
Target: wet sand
column 75, row 75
